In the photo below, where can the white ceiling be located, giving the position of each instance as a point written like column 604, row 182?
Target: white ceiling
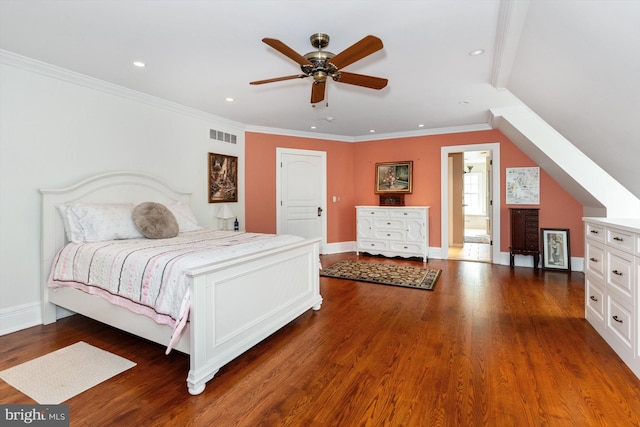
column 574, row 62
column 200, row 52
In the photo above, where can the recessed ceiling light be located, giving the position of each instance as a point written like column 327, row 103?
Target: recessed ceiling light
column 464, row 102
column 139, row 64
column 372, row 130
column 476, row 52
column 420, row 125
column 229, row 99
column 313, row 127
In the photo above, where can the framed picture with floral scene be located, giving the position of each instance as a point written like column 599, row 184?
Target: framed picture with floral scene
column 394, row 177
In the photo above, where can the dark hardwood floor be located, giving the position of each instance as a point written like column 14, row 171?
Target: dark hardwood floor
column 490, row 346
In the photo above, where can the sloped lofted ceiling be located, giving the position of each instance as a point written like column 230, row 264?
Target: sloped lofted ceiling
column 573, row 62
column 577, row 66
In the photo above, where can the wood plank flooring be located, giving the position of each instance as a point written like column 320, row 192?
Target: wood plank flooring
column 490, row 346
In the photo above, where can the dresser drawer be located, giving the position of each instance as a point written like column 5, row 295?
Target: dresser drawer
column 365, row 245
column 407, row 247
column 406, row 213
column 620, row 275
column 619, row 322
column 372, row 212
column 389, row 224
column 389, row 234
column 594, row 257
column 594, row 297
column 620, row 239
column 595, row 232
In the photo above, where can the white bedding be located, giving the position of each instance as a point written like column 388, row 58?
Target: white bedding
column 148, row 276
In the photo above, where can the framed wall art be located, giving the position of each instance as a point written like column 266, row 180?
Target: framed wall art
column 223, row 178
column 394, row 177
column 556, row 249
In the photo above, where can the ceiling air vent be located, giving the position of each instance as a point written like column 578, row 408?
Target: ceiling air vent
column 222, row 136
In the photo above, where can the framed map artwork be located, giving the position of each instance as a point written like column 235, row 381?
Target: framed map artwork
column 523, row 186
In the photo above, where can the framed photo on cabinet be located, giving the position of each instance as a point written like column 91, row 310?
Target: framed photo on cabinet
column 394, row 177
column 556, row 249
column 223, row 178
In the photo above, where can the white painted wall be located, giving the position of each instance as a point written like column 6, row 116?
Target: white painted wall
column 57, row 128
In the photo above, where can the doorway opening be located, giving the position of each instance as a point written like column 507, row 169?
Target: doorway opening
column 470, row 218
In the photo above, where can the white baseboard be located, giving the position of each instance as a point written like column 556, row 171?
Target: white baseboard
column 577, row 264
column 21, row 317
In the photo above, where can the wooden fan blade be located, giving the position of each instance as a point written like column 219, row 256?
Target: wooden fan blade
column 317, row 91
column 279, row 79
column 357, row 51
column 287, row 51
column 360, row 80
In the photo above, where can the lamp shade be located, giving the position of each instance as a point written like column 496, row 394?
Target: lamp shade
column 225, row 212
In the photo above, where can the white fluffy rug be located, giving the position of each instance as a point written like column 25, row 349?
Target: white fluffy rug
column 62, row 374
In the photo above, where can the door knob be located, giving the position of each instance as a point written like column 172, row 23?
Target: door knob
column 319, row 211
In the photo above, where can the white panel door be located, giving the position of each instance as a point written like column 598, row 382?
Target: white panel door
column 302, row 193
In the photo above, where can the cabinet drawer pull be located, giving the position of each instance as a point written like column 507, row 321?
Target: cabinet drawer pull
column 593, row 298
column 388, row 223
column 617, row 319
column 618, row 239
column 405, row 213
column 388, row 235
column 617, row 273
column 593, row 259
column 594, row 231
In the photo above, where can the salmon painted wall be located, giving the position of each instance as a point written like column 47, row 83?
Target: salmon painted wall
column 351, row 171
column 260, row 180
column 558, row 209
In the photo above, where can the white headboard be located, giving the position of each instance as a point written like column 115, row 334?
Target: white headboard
column 111, row 187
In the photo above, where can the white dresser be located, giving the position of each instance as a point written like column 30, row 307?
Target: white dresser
column 612, row 284
column 393, row 231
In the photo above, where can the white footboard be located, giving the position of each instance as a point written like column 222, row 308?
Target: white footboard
column 238, row 303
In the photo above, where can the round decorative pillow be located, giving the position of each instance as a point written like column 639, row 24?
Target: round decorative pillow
column 155, row 220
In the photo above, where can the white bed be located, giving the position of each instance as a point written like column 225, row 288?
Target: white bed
column 235, row 303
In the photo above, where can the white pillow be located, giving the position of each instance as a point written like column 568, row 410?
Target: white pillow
column 186, row 219
column 99, row 222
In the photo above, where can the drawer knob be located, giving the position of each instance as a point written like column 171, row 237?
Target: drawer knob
column 593, row 298
column 617, row 273
column 617, row 319
column 388, row 235
column 594, row 231
column 388, row 223
column 618, row 239
column 593, row 259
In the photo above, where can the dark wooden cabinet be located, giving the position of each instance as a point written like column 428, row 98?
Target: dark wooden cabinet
column 525, row 238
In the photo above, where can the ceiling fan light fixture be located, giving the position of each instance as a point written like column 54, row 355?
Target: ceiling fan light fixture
column 320, row 76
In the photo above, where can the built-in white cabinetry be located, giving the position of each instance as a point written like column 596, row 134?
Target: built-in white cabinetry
column 612, row 284
column 393, row 230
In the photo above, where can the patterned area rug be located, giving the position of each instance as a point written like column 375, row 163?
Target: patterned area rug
column 386, row 274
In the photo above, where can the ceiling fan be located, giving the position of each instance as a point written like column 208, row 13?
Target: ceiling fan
column 321, row 64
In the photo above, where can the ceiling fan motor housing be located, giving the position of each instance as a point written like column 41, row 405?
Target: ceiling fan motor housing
column 321, row 68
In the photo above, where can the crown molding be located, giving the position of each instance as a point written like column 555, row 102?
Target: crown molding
column 52, row 71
